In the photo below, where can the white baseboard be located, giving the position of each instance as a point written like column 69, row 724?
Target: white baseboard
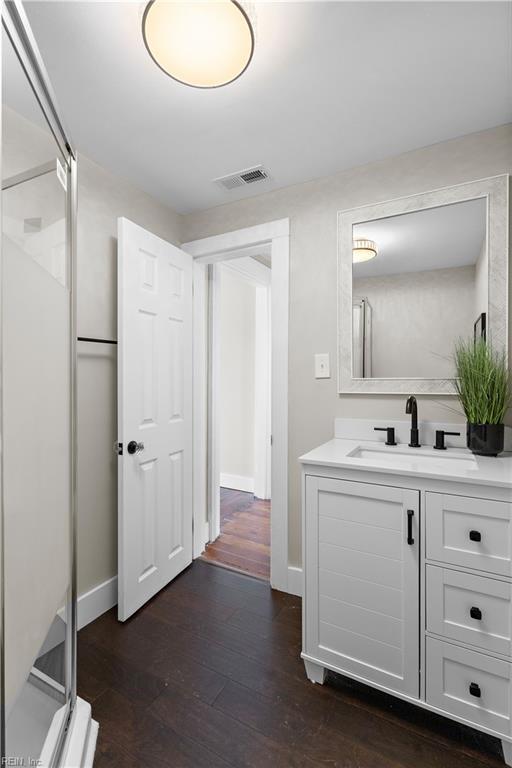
column 295, row 580
column 96, row 601
column 237, row 482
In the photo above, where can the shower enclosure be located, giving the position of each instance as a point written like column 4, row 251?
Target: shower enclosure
column 37, row 409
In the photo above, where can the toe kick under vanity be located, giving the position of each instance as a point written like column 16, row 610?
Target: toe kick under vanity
column 407, row 557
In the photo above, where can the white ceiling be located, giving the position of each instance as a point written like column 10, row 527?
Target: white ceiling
column 332, row 85
column 436, row 238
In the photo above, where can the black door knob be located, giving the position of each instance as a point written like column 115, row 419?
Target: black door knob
column 475, row 536
column 475, row 613
column 134, row 447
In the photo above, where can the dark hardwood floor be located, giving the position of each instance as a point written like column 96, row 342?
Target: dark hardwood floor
column 208, row 675
column 244, row 541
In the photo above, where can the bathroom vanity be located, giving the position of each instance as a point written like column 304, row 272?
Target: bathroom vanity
column 407, row 562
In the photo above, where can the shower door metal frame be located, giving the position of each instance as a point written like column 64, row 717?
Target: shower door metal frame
column 17, row 27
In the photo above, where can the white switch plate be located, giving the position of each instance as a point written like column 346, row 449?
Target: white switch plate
column 322, row 366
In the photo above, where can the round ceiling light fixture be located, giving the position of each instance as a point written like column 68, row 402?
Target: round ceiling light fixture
column 363, row 250
column 202, row 43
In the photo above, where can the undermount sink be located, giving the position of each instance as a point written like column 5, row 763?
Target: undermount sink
column 393, row 456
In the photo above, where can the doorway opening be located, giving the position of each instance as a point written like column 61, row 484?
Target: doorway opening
column 240, row 364
column 256, row 245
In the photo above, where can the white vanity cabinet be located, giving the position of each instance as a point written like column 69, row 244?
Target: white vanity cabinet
column 408, row 586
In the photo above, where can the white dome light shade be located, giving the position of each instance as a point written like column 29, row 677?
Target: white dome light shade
column 363, row 250
column 202, row 43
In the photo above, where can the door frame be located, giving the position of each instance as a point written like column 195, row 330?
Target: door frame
column 273, row 238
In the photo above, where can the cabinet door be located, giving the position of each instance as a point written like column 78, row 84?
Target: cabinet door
column 362, row 580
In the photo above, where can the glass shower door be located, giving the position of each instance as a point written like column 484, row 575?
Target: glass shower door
column 37, row 427
column 36, row 461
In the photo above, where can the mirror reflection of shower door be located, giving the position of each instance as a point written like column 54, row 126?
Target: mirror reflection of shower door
column 36, row 427
column 361, row 338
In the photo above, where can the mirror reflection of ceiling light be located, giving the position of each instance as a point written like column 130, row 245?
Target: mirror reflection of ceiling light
column 363, row 250
column 202, row 43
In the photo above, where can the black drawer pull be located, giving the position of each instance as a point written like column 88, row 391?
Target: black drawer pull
column 410, row 515
column 476, row 613
column 474, row 690
column 475, row 536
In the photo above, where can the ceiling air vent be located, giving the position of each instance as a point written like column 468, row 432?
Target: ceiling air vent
column 242, row 178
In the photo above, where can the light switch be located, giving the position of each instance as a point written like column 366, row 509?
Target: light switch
column 322, row 366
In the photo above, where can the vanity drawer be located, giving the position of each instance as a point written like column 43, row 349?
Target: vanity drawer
column 469, row 685
column 474, row 533
column 473, row 609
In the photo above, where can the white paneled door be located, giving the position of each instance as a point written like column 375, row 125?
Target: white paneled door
column 155, row 414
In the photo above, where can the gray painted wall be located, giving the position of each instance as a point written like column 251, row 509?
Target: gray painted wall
column 312, row 208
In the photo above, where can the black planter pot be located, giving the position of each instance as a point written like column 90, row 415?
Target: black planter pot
column 485, row 439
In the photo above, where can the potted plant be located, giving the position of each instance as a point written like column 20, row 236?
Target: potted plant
column 483, row 387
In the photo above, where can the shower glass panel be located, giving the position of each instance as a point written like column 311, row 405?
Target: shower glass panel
column 37, row 426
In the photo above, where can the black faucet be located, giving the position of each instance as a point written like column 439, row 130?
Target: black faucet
column 411, row 407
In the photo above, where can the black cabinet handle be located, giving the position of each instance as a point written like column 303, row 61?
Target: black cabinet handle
column 474, row 690
column 475, row 536
column 410, row 515
column 476, row 613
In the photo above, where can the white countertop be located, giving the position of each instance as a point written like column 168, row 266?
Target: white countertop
column 455, row 464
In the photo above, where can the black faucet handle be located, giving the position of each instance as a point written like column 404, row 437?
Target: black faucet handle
column 390, row 438
column 440, row 435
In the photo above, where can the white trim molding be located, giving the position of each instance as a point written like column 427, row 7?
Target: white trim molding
column 199, row 384
column 272, row 238
column 295, row 580
column 96, row 601
column 249, row 269
column 237, row 482
column 262, row 393
column 90, row 606
column 223, row 247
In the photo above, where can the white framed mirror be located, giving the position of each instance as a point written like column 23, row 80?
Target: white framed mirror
column 415, row 275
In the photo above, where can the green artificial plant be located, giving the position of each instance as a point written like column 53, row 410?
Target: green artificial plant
column 483, row 382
